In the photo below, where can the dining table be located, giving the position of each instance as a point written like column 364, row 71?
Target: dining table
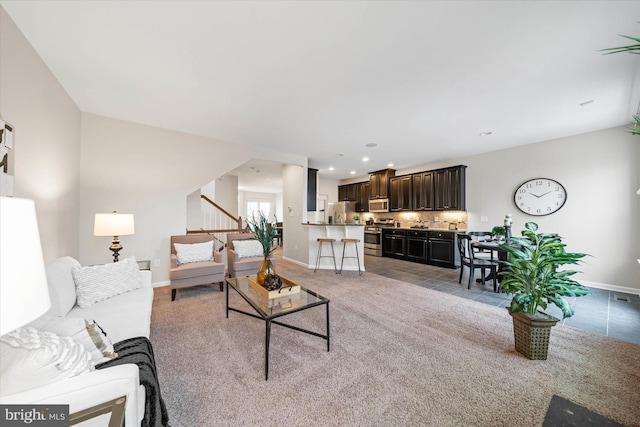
column 494, row 247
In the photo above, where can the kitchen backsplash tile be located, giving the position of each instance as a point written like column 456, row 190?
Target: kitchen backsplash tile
column 438, row 220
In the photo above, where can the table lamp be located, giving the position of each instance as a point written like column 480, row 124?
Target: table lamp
column 24, row 293
column 113, row 224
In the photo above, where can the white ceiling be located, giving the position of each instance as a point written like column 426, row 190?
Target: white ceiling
column 421, row 80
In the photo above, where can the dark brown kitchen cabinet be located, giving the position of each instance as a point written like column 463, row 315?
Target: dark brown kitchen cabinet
column 442, row 249
column 400, row 193
column 379, row 183
column 347, row 193
column 393, row 243
column 423, row 191
column 417, row 245
column 362, row 196
column 449, row 188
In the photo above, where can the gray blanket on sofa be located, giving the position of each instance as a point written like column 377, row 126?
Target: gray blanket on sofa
column 139, row 351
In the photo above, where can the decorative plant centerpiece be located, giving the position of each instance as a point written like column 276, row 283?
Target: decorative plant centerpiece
column 499, row 232
column 531, row 274
column 265, row 232
column 356, row 218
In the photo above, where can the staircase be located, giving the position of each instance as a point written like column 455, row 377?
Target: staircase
column 218, row 222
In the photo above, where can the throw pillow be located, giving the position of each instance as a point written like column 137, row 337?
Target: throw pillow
column 194, row 252
column 100, row 282
column 248, row 248
column 62, row 288
column 29, row 359
column 86, row 332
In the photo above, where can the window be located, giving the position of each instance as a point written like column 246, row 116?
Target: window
column 254, row 207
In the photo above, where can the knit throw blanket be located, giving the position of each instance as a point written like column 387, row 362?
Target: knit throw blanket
column 139, row 351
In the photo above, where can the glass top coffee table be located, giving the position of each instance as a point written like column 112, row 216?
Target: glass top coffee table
column 270, row 309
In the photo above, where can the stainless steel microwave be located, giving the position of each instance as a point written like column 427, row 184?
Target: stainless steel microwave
column 379, row 205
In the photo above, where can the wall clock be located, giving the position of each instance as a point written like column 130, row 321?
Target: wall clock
column 540, row 196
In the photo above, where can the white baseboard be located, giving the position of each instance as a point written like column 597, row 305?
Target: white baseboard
column 322, row 267
column 608, row 287
column 160, row 284
column 293, row 261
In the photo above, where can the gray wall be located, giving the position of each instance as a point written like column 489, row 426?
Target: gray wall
column 601, row 173
column 46, row 140
column 149, row 172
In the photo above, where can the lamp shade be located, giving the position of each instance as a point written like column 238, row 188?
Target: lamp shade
column 24, row 294
column 113, row 224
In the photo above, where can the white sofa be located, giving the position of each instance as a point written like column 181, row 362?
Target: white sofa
column 123, row 316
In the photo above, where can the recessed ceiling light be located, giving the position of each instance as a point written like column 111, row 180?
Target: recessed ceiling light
column 352, row 172
column 389, row 165
column 331, row 168
column 371, row 145
column 485, row 133
column 365, row 159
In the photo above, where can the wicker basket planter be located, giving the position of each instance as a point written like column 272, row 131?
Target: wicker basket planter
column 531, row 334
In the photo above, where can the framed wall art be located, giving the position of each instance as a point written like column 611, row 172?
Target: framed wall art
column 6, row 159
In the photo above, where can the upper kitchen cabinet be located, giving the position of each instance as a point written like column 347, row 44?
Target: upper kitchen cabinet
column 379, row 183
column 362, row 196
column 347, row 193
column 312, row 192
column 400, row 190
column 449, row 188
column 358, row 192
column 423, row 191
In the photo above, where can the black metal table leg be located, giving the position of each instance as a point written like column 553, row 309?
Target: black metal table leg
column 272, row 317
column 266, row 350
column 328, row 342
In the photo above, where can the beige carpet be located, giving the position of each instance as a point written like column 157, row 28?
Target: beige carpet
column 400, row 355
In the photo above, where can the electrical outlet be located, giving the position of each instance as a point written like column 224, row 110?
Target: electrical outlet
column 484, row 219
column 156, row 263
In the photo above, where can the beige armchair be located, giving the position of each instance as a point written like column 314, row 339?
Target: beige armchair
column 194, row 273
column 240, row 267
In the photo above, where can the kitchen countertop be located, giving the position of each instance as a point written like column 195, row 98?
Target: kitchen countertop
column 333, row 225
column 423, row 229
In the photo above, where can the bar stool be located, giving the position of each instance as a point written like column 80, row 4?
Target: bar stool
column 355, row 242
column 321, row 241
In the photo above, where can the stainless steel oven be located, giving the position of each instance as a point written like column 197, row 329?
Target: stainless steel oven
column 373, row 240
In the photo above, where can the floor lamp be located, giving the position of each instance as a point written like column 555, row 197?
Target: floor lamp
column 113, row 224
column 24, row 293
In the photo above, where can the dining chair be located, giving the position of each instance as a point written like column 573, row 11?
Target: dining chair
column 479, row 236
column 467, row 258
column 278, row 235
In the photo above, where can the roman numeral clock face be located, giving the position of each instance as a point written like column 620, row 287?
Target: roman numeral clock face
column 540, row 196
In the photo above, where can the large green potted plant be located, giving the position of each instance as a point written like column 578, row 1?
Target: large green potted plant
column 632, row 48
column 533, row 277
column 265, row 231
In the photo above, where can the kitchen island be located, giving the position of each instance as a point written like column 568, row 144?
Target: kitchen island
column 335, row 231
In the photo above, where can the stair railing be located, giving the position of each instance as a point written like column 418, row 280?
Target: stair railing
column 217, row 222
